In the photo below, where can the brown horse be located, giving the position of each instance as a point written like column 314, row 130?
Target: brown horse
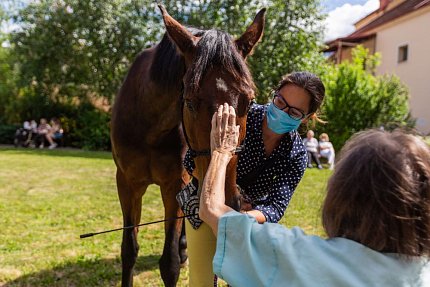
column 201, row 69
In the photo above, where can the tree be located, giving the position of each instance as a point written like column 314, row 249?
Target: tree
column 71, row 58
column 291, row 41
column 77, row 48
column 357, row 100
column 70, row 54
column 6, row 83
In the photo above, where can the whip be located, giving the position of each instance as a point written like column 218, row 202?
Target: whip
column 133, row 226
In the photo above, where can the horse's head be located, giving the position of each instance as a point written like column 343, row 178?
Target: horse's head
column 216, row 73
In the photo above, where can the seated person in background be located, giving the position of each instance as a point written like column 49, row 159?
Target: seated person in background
column 33, row 126
column 27, row 132
column 311, row 145
column 326, row 149
column 32, row 133
column 384, row 242
column 42, row 131
column 23, row 135
column 55, row 132
column 26, row 125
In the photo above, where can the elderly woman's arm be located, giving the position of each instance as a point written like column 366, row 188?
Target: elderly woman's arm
column 224, row 139
column 212, row 198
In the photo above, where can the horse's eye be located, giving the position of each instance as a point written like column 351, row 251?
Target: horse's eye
column 189, row 105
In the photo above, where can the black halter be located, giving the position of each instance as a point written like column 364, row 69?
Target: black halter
column 207, row 152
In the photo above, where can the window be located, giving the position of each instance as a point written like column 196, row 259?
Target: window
column 402, row 54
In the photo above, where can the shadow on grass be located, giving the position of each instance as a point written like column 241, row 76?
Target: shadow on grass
column 84, row 272
column 59, row 152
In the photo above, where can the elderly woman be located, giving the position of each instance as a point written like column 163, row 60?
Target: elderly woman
column 376, row 215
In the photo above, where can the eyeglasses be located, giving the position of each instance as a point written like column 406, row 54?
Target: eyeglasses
column 282, row 104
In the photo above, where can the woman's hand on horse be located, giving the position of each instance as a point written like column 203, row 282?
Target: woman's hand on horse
column 224, row 132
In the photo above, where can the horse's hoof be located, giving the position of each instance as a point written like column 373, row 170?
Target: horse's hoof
column 184, row 264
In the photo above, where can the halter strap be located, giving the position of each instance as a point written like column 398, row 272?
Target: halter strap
column 207, row 152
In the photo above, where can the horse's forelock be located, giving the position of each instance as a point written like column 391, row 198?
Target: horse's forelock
column 217, row 49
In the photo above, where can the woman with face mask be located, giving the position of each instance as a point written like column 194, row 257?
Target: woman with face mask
column 272, row 136
column 270, row 166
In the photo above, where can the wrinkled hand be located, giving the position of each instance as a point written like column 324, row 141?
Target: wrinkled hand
column 224, row 132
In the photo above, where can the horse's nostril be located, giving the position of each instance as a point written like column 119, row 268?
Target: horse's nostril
column 237, row 204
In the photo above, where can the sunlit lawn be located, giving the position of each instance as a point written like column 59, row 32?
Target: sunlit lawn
column 49, row 197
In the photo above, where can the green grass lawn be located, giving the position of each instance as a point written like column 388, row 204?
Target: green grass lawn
column 49, row 197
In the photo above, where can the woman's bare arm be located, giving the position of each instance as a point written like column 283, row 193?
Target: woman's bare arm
column 224, row 139
column 212, row 198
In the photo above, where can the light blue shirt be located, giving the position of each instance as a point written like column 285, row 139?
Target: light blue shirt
column 251, row 254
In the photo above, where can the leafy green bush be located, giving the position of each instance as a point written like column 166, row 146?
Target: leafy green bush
column 7, row 133
column 356, row 99
column 91, row 129
column 86, row 127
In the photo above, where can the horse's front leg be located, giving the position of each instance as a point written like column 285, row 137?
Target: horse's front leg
column 183, row 246
column 131, row 205
column 129, row 252
column 170, row 261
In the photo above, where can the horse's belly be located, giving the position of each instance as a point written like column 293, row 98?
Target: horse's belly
column 165, row 166
column 152, row 164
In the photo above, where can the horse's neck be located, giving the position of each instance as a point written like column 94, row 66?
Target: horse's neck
column 159, row 100
column 147, row 111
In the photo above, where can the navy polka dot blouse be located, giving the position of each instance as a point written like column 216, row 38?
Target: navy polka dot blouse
column 271, row 192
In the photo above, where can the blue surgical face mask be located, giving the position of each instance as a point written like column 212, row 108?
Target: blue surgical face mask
column 279, row 121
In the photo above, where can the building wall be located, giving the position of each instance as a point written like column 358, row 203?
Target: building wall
column 411, row 30
column 346, row 52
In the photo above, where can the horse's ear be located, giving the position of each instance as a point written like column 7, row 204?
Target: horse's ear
column 252, row 34
column 184, row 40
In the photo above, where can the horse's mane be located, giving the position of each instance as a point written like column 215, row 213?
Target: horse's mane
column 215, row 48
column 168, row 66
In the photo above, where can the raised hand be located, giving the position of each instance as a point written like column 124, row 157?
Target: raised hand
column 224, row 132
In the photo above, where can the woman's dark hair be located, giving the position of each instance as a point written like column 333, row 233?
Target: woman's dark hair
column 308, row 81
column 379, row 194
